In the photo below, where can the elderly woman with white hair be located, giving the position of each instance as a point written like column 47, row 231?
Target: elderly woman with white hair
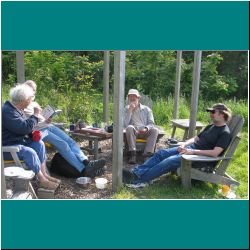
column 17, row 130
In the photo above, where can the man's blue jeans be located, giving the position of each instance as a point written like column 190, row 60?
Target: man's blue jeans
column 160, row 163
column 66, row 146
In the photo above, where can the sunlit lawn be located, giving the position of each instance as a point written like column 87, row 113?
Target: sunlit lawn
column 169, row 185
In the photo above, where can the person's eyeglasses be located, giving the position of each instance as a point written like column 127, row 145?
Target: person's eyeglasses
column 212, row 111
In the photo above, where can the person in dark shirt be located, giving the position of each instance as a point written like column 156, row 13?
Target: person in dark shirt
column 17, row 131
column 212, row 141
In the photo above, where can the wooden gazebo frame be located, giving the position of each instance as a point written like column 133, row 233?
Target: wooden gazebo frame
column 119, row 88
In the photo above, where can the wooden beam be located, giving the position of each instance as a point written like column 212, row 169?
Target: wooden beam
column 20, row 66
column 106, row 87
column 119, row 83
column 177, row 84
column 195, row 93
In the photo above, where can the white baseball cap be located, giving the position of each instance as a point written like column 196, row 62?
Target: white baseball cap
column 133, row 92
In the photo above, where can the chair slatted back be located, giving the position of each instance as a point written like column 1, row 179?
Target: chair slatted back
column 235, row 125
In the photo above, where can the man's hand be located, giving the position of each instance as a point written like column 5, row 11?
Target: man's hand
column 49, row 120
column 132, row 106
column 143, row 131
column 181, row 147
column 37, row 111
column 188, row 151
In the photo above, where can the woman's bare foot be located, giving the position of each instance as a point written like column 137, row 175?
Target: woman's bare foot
column 46, row 184
column 50, row 178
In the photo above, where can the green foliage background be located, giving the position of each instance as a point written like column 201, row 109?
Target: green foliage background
column 72, row 80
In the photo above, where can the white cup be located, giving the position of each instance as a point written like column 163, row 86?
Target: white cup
column 233, row 188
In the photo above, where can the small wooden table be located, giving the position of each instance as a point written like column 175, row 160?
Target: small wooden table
column 184, row 124
column 92, row 135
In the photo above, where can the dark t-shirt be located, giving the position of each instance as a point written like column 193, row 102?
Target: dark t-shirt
column 211, row 137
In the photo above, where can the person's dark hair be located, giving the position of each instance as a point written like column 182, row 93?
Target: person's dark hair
column 227, row 115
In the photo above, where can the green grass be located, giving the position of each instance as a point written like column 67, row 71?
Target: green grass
column 169, row 187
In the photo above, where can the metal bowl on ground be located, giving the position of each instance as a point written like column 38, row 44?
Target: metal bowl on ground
column 83, row 181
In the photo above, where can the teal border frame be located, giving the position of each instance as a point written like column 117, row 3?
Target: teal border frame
column 155, row 224
column 125, row 25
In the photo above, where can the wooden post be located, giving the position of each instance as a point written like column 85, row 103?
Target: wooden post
column 195, row 93
column 177, row 84
column 106, row 87
column 119, row 82
column 186, row 173
column 3, row 183
column 20, row 66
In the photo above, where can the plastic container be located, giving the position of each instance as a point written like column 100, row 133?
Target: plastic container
column 83, row 181
column 101, row 183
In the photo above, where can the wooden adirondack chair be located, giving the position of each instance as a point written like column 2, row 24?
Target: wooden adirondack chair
column 219, row 175
column 23, row 188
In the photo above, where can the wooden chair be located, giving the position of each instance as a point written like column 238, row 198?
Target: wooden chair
column 219, row 175
column 15, row 170
column 141, row 143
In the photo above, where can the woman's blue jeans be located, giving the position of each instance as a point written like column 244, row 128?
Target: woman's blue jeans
column 66, row 146
column 33, row 155
column 160, row 163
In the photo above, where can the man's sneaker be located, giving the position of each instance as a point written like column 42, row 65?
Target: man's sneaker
column 147, row 155
column 94, row 168
column 138, row 185
column 128, row 176
column 154, row 180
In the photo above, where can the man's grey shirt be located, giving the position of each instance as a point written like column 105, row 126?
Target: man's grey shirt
column 146, row 116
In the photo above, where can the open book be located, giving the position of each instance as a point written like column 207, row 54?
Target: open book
column 49, row 112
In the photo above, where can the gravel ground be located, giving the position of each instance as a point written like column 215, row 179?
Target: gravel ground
column 69, row 189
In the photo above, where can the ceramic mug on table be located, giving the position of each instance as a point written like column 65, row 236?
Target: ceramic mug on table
column 72, row 127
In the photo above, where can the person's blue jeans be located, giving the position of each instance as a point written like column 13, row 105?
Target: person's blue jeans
column 33, row 155
column 160, row 163
column 66, row 146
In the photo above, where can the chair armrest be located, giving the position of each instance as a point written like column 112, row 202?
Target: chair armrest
column 10, row 149
column 203, row 158
column 13, row 151
column 161, row 130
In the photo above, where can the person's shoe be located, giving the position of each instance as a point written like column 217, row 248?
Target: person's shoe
column 50, row 178
column 132, row 159
column 138, row 185
column 48, row 185
column 147, row 155
column 94, row 168
column 128, row 176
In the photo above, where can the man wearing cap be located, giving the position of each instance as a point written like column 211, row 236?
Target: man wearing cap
column 212, row 141
column 139, row 123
